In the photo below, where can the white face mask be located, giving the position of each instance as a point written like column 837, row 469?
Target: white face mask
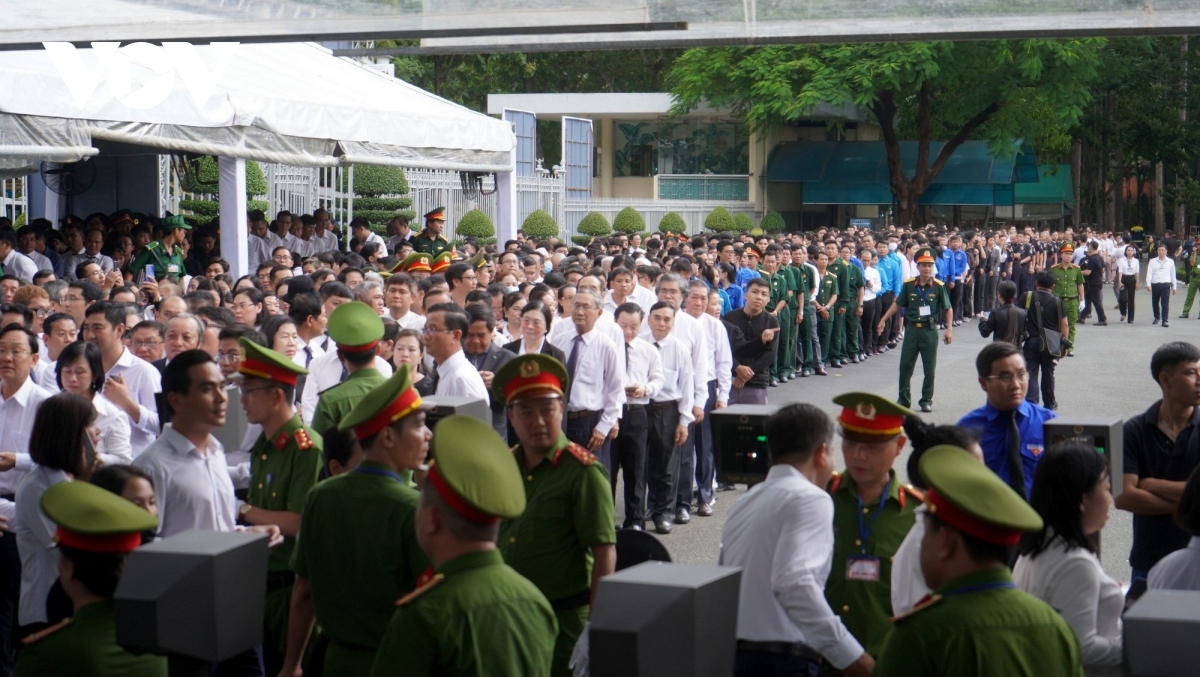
column 512, row 289
column 892, row 246
column 547, row 267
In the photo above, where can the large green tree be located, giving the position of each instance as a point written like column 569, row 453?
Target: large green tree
column 1000, row 91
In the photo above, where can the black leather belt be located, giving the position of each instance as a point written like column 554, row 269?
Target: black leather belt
column 573, row 602
column 784, row 648
column 920, row 325
column 673, row 404
column 635, row 405
column 582, row 413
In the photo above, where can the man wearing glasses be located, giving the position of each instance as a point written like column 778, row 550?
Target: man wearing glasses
column 1010, row 426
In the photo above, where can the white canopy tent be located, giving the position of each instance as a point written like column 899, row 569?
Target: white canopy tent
column 292, row 103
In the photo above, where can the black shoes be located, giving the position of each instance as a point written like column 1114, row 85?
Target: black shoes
column 1165, row 325
column 661, row 525
column 682, row 515
column 1101, row 324
column 1155, row 321
column 635, row 526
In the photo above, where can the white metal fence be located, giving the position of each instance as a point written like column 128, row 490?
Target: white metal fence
column 431, row 188
column 14, row 199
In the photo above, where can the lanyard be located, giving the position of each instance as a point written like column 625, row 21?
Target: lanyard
column 864, row 529
column 380, row 472
column 924, row 293
column 980, row 587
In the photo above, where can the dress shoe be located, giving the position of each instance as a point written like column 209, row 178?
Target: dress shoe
column 854, row 359
column 1183, row 317
column 773, row 383
column 635, row 526
column 892, row 345
column 836, row 364
column 806, row 373
column 704, row 510
column 1081, row 320
column 1122, row 318
column 662, row 525
column 1155, row 321
column 926, row 408
column 682, row 515
column 820, row 371
column 1165, row 325
column 784, row 378
column 1101, row 324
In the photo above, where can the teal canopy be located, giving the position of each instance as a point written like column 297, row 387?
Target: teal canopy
column 1054, row 187
column 856, row 172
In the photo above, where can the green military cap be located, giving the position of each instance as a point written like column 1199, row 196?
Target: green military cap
column 479, row 260
column 176, row 221
column 435, row 214
column 385, row 404
column 94, row 519
column 529, row 375
column 121, row 216
column 926, row 255
column 442, row 261
column 754, row 251
column 355, row 327
column 417, row 262
column 474, row 472
column 867, row 417
column 968, row 496
column 265, row 363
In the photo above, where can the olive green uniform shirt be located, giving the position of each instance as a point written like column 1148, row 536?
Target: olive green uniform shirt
column 866, row 606
column 854, row 282
column 914, row 295
column 838, row 267
column 780, row 286
column 829, row 287
column 433, row 246
column 481, row 619
column 980, row 624
column 1067, row 280
column 166, row 263
column 337, row 401
column 370, row 513
column 86, row 646
column 282, row 471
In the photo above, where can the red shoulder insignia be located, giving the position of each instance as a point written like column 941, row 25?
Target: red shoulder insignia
column 582, row 455
column 437, row 578
column 912, row 491
column 303, row 440
column 834, row 482
column 925, row 603
column 281, row 440
column 37, row 636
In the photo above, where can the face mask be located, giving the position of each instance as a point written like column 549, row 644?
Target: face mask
column 547, row 267
column 512, row 289
column 892, row 246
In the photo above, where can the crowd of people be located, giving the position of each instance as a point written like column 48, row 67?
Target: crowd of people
column 124, row 338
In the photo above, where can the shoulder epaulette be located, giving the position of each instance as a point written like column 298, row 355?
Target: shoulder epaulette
column 922, row 605
column 41, row 634
column 303, row 440
column 437, row 578
column 910, row 279
column 155, row 244
column 835, row 481
column 913, row 491
column 582, row 455
column 938, row 282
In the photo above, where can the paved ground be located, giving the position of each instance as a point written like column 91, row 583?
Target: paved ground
column 1109, row 376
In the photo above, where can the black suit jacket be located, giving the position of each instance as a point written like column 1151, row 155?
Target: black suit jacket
column 1006, row 323
column 492, row 360
column 547, row 349
column 160, row 364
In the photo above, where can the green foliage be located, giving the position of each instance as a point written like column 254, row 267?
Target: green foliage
column 772, row 223
column 202, row 177
column 672, row 223
column 594, row 223
column 475, row 224
column 381, row 203
column 376, row 180
column 719, row 221
column 205, row 208
column 540, row 225
column 742, row 223
column 20, row 220
column 629, row 221
column 581, row 240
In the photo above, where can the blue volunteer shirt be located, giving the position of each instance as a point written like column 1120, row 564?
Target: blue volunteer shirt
column 993, row 426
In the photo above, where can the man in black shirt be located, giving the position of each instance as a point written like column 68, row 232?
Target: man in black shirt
column 1092, row 266
column 1162, row 447
column 1037, row 357
column 753, row 357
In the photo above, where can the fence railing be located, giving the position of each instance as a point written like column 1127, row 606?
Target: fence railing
column 14, row 199
column 723, row 187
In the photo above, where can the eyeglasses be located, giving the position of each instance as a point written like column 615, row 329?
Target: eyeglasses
column 145, row 344
column 228, row 357
column 14, row 353
column 1007, row 378
column 42, row 312
column 427, row 330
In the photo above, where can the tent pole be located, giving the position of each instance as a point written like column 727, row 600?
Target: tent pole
column 506, row 203
column 235, row 231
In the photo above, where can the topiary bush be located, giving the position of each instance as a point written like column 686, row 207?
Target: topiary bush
column 772, row 223
column 475, row 224
column 672, row 223
column 581, row 240
column 540, row 225
column 373, row 181
column 719, row 221
column 742, row 223
column 203, row 176
column 594, row 223
column 629, row 221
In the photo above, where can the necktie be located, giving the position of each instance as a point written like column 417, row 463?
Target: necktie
column 307, row 356
column 573, row 362
column 1016, row 469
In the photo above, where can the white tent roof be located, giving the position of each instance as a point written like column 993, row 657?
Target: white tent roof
column 293, row 103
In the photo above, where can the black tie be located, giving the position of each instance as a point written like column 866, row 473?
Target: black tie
column 1016, row 469
column 573, row 358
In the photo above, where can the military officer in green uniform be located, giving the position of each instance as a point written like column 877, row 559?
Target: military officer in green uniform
column 96, row 532
column 430, row 240
column 166, row 255
column 826, row 308
column 806, row 357
column 358, row 553
column 837, row 341
column 356, row 329
column 852, row 302
column 284, row 465
column 975, row 622
column 1068, row 286
column 924, row 302
column 565, row 541
column 475, row 616
column 781, row 293
column 792, row 366
column 872, row 513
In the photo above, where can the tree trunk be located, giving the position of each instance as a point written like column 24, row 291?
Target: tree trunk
column 1076, row 173
column 1160, row 221
column 1181, row 228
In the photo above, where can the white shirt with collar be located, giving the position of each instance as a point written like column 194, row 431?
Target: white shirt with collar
column 301, row 358
column 458, row 377
column 599, row 376
column 374, row 237
column 193, row 489
column 718, row 339
column 781, row 534
column 16, row 425
column 326, row 372
column 23, row 267
column 143, row 381
column 1127, row 266
column 41, row 261
column 678, row 379
column 114, row 447
column 644, row 367
column 325, row 242
column 410, row 320
column 694, row 339
column 1161, row 271
column 1179, row 570
column 562, row 330
column 35, row 542
column 257, row 251
column 43, row 372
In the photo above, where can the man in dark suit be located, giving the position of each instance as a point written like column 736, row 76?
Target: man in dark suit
column 487, row 357
column 1007, row 322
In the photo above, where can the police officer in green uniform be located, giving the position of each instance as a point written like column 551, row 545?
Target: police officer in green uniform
column 924, row 301
column 975, row 622
column 430, row 240
column 1068, row 286
column 781, row 292
column 358, row 551
column 872, row 513
column 356, row 329
column 166, row 255
column 856, row 282
column 565, row 541
column 284, row 465
column 475, row 616
column 96, row 532
column 826, row 309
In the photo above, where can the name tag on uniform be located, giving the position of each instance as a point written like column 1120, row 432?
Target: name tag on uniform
column 862, row 568
column 924, row 311
column 173, row 269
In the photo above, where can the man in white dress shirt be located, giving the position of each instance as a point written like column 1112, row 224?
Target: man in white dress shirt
column 781, row 534
column 718, row 385
column 27, row 245
column 261, row 241
column 16, row 263
column 670, row 415
column 643, row 380
column 130, row 382
column 1161, row 283
column 445, row 326
column 399, row 290
column 360, row 227
column 595, row 392
column 323, row 232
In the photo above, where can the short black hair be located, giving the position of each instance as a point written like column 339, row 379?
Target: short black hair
column 481, row 313
column 89, row 352
column 757, row 282
column 992, row 353
column 1171, row 355
column 113, row 312
column 236, row 331
column 1045, row 279
column 91, row 292
column 1066, row 473
column 29, row 335
column 629, row 308
column 98, row 572
column 796, row 431
column 303, row 306
column 49, row 322
column 454, row 316
column 455, row 273
column 337, row 445
column 338, row 289
column 18, row 309
column 177, row 377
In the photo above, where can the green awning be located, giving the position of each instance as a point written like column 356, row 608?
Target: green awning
column 1055, row 186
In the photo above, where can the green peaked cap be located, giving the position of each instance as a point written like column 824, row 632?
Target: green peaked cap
column 383, row 405
column 355, row 324
column 477, row 469
column 970, row 497
column 89, row 517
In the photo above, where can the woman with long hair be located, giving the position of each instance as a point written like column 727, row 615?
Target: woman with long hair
column 410, row 349
column 80, row 370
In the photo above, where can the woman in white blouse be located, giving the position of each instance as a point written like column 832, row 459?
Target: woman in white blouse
column 1058, row 564
column 79, row 370
column 1128, row 271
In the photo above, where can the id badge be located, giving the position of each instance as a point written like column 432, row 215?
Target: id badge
column 924, row 311
column 862, row 568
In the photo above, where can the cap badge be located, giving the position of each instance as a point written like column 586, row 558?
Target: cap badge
column 865, row 411
column 530, row 369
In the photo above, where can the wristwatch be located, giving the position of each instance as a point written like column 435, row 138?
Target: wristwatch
column 244, row 509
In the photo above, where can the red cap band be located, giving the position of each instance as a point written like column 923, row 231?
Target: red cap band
column 926, row 259
column 949, row 513
column 402, row 406
column 357, row 349
column 268, row 370
column 882, row 425
column 456, row 503
column 418, row 267
column 543, row 380
column 99, row 543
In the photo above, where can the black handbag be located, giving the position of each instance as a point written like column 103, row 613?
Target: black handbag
column 1052, row 340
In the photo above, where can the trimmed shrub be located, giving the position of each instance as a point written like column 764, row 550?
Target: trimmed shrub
column 581, row 240
column 629, row 221
column 475, row 224
column 594, row 223
column 371, row 181
column 719, row 221
column 540, row 225
column 203, row 176
column 672, row 223
column 742, row 223
column 772, row 223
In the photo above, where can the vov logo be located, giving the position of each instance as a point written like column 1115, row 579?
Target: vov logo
column 139, row 75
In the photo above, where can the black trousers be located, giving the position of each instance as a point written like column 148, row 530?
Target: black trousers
column 891, row 330
column 663, row 459
column 1039, row 362
column 956, row 299
column 1095, row 300
column 629, row 456
column 10, row 592
column 991, row 294
column 766, row 664
column 1127, row 294
column 870, row 318
column 1160, row 300
column 579, row 430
